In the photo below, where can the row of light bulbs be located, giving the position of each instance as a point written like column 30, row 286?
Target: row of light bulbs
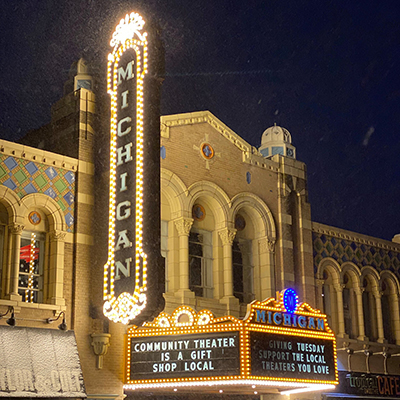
column 127, row 306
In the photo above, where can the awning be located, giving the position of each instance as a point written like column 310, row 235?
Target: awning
column 39, row 363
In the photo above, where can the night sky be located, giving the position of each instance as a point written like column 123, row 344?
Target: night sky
column 328, row 71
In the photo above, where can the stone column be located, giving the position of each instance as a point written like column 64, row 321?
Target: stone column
column 379, row 317
column 183, row 226
column 267, row 268
column 361, row 329
column 56, row 268
column 339, row 295
column 227, row 236
column 16, row 232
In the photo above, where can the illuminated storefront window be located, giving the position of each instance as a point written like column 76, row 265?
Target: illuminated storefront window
column 31, row 265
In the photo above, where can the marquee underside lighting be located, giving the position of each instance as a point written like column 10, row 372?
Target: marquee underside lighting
column 125, row 273
column 276, row 346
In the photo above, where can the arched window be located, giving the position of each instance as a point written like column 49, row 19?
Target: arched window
column 369, row 309
column 200, row 262
column 164, row 249
column 350, row 307
column 3, row 247
column 31, row 266
column 33, row 259
column 242, row 259
column 388, row 312
column 329, row 300
column 201, row 251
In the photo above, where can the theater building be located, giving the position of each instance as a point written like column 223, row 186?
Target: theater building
column 235, row 227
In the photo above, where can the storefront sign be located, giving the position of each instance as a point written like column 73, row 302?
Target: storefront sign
column 39, row 363
column 192, row 348
column 367, row 385
column 126, row 272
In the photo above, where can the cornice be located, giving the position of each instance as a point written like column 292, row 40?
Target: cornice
column 354, row 237
column 36, row 155
column 250, row 153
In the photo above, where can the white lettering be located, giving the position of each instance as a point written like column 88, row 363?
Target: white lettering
column 123, row 240
column 128, row 128
column 126, row 154
column 125, row 99
column 127, row 211
column 124, row 270
column 125, row 74
column 123, row 182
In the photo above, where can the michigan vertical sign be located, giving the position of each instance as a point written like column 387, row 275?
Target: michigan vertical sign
column 126, row 293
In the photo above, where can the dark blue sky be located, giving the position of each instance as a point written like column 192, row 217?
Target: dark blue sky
column 328, row 71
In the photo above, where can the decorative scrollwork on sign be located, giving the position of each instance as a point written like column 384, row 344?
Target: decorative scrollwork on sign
column 185, row 316
column 128, row 27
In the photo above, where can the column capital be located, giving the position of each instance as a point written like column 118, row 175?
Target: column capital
column 377, row 293
column 16, row 229
column 183, row 225
column 339, row 287
column 268, row 244
column 359, row 291
column 320, row 282
column 57, row 236
column 227, row 236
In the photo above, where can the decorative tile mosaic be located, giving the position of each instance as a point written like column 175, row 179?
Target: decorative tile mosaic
column 360, row 254
column 25, row 177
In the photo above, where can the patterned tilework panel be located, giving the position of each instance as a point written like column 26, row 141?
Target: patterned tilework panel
column 25, row 177
column 361, row 254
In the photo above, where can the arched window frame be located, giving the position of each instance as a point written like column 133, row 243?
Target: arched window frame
column 370, row 284
column 18, row 210
column 389, row 290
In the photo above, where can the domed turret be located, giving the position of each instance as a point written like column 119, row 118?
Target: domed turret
column 277, row 140
column 79, row 77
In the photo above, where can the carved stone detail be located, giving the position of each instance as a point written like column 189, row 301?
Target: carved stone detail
column 227, row 236
column 339, row 287
column 377, row 293
column 267, row 243
column 359, row 290
column 58, row 236
column 183, row 226
column 100, row 343
column 320, row 282
column 16, row 229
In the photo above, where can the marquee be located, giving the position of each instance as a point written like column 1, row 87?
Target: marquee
column 279, row 346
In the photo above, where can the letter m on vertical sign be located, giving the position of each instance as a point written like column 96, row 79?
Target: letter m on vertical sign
column 125, row 273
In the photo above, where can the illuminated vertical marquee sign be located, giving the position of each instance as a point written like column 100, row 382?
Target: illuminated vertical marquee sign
column 125, row 273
